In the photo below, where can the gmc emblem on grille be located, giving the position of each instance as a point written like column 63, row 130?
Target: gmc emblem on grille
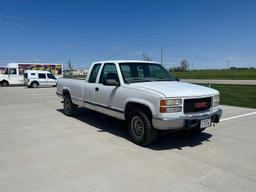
column 200, row 105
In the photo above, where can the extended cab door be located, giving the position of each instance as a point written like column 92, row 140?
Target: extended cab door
column 90, row 87
column 106, row 95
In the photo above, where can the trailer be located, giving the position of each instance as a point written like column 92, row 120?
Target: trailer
column 14, row 72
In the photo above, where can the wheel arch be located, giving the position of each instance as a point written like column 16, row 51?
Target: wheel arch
column 131, row 105
column 66, row 92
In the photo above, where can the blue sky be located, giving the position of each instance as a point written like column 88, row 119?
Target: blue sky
column 207, row 33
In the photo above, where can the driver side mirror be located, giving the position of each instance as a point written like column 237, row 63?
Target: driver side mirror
column 111, row 82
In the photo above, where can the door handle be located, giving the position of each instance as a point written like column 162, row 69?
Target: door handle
column 96, row 88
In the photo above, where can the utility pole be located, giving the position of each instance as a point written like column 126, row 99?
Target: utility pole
column 161, row 48
column 228, row 64
column 125, row 52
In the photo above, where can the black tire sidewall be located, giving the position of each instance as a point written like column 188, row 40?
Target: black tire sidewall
column 66, row 102
column 4, row 84
column 72, row 107
column 149, row 132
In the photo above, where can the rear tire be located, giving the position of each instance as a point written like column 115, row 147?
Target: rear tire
column 34, row 85
column 69, row 108
column 140, row 128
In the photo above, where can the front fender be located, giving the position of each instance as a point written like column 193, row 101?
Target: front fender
column 142, row 102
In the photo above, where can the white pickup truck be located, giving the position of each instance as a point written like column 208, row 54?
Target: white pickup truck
column 144, row 94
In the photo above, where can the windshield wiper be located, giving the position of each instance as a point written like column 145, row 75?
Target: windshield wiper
column 138, row 80
column 164, row 80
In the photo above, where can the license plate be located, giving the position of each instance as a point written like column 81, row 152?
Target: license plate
column 205, row 123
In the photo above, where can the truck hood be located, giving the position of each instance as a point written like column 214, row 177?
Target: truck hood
column 175, row 88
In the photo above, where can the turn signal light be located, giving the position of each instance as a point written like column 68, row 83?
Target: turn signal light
column 170, row 109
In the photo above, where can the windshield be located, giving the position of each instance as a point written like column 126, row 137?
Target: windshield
column 6, row 71
column 143, row 72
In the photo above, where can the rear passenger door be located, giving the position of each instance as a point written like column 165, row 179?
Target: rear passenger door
column 42, row 79
column 90, row 87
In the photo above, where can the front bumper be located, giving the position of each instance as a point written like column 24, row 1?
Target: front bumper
column 187, row 121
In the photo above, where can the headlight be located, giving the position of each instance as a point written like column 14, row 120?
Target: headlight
column 216, row 100
column 170, row 105
column 170, row 102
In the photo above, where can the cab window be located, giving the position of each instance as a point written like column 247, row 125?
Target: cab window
column 12, row 71
column 41, row 76
column 109, row 72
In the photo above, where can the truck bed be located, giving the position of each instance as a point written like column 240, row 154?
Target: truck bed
column 74, row 86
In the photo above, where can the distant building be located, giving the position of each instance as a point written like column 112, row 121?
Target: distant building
column 76, row 72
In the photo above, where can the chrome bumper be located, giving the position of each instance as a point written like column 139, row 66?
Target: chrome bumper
column 187, row 121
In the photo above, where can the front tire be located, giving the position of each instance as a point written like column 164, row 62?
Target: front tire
column 5, row 83
column 140, row 128
column 69, row 107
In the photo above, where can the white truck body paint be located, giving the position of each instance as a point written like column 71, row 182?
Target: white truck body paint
column 112, row 100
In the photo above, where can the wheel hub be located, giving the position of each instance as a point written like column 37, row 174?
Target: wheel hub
column 138, row 127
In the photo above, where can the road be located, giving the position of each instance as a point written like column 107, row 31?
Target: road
column 218, row 81
column 41, row 150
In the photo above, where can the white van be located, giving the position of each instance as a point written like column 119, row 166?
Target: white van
column 13, row 73
column 35, row 78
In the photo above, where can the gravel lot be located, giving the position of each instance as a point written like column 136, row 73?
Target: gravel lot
column 41, row 149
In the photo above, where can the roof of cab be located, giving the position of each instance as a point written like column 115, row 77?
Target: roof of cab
column 125, row 61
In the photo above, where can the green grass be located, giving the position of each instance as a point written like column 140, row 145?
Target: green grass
column 247, row 74
column 237, row 95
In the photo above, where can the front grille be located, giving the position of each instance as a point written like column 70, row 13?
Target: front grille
column 197, row 105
